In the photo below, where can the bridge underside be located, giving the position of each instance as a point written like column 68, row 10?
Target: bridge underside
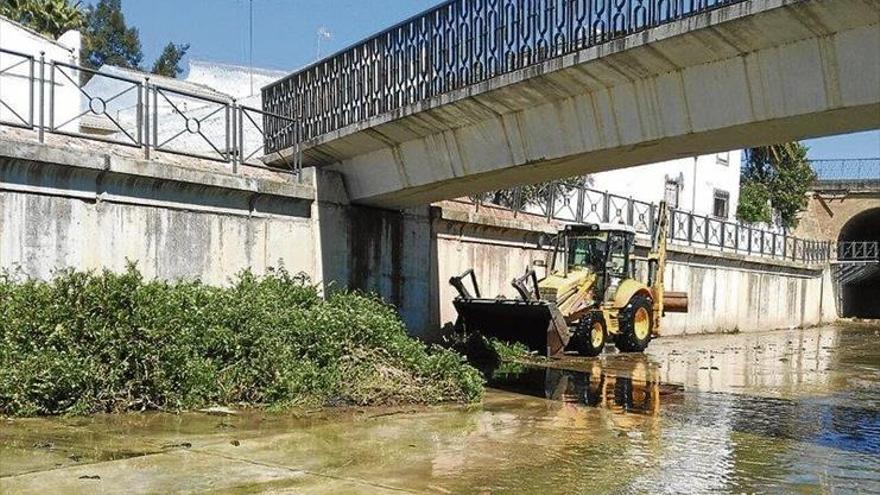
column 752, row 73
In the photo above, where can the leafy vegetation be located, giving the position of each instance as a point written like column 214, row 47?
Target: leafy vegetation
column 168, row 63
column 509, row 351
column 107, row 38
column 50, row 17
column 534, row 194
column 104, row 342
column 754, row 203
column 775, row 179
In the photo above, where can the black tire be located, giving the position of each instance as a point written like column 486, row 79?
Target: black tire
column 630, row 340
column 583, row 339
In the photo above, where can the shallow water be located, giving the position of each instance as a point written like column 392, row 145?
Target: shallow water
column 775, row 412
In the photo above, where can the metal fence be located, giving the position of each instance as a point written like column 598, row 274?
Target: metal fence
column 845, row 170
column 55, row 97
column 858, row 251
column 585, row 205
column 451, row 46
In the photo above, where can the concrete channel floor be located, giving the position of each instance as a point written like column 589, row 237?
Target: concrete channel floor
column 793, row 411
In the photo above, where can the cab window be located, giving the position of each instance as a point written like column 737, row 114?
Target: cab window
column 618, row 255
column 587, row 251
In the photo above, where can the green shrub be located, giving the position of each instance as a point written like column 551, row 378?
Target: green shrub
column 88, row 342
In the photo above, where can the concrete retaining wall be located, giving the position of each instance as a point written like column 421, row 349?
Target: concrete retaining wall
column 727, row 292
column 73, row 209
column 65, row 209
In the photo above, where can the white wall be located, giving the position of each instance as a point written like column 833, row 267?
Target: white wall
column 233, row 80
column 698, row 179
column 14, row 83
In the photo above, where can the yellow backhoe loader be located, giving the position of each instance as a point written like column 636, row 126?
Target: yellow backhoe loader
column 589, row 297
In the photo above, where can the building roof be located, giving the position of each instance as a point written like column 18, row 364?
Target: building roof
column 168, row 82
column 259, row 71
column 37, row 33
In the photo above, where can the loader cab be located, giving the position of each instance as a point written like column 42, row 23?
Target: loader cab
column 607, row 250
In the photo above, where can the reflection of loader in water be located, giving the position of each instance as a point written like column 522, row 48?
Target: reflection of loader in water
column 629, row 384
column 590, row 295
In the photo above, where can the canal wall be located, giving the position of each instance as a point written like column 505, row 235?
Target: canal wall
column 728, row 292
column 64, row 207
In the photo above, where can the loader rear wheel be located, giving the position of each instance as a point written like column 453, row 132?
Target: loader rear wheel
column 590, row 335
column 636, row 325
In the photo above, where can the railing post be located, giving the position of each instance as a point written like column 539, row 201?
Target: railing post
column 690, row 228
column 773, row 252
column 706, row 231
column 517, row 201
column 31, row 92
column 238, row 137
column 606, row 207
column 579, row 215
column 736, row 237
column 750, row 240
column 230, row 148
column 145, row 122
column 52, row 97
column 42, row 119
column 630, row 212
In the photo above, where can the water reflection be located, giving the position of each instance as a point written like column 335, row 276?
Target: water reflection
column 632, row 385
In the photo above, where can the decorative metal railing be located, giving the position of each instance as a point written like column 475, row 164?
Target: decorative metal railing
column 18, row 67
column 585, row 205
column 454, row 45
column 858, row 251
column 52, row 97
column 846, row 170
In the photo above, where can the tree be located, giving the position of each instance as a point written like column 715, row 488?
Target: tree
column 754, row 203
column 781, row 174
column 49, row 17
column 168, row 63
column 108, row 40
column 533, row 195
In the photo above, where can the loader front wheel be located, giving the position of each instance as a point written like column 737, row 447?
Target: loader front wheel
column 590, row 335
column 636, row 322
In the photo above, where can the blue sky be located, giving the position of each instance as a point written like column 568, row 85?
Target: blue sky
column 285, row 37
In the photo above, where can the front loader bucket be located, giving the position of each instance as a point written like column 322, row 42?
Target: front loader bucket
column 537, row 324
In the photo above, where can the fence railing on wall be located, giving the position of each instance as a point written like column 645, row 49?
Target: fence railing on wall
column 847, row 170
column 585, row 205
column 858, row 251
column 53, row 97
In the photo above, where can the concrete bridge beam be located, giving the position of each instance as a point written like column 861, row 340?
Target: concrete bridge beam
column 752, row 73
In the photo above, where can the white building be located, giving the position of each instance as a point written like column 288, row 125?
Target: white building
column 17, row 42
column 707, row 185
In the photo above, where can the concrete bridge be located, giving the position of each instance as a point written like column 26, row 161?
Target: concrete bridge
column 475, row 96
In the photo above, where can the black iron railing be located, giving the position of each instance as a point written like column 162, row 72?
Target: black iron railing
column 585, row 205
column 847, row 170
column 858, row 251
column 454, row 45
column 53, row 97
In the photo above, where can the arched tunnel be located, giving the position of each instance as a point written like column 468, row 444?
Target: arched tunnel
column 860, row 297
